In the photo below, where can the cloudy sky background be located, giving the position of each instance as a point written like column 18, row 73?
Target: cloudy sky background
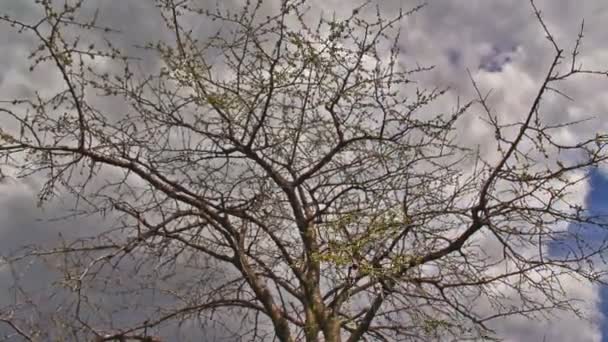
column 499, row 41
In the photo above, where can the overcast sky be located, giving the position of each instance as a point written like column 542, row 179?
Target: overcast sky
column 498, row 40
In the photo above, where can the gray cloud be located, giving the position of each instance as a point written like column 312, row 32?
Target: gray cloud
column 452, row 35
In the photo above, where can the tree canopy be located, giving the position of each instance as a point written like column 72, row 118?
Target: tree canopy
column 286, row 177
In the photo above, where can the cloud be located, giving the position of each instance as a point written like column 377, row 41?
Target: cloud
column 498, row 41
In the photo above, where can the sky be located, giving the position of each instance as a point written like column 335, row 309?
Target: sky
column 499, row 41
column 597, row 200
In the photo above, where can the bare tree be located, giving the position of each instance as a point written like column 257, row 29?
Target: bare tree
column 287, row 171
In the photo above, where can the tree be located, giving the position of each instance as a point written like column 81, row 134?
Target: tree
column 293, row 164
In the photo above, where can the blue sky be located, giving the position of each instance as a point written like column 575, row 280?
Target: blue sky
column 597, row 201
